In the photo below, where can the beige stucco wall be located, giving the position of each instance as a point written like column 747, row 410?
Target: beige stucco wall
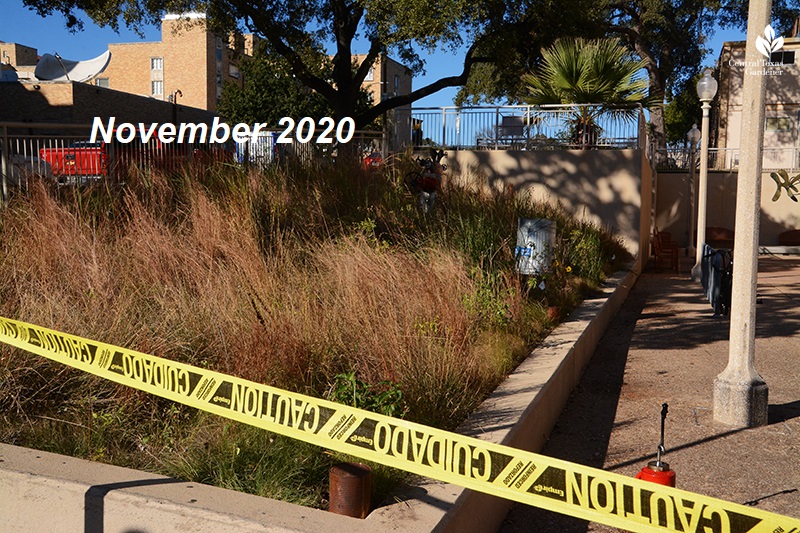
column 776, row 217
column 607, row 187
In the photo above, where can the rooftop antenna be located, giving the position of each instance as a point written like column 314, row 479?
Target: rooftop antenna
column 60, row 62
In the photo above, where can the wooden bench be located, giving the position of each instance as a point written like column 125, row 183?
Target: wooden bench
column 719, row 238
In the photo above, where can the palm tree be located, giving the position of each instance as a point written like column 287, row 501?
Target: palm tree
column 581, row 71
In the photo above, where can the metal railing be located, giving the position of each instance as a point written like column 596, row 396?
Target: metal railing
column 726, row 159
column 526, row 127
column 63, row 154
column 264, row 151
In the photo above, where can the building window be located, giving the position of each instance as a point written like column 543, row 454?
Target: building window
column 396, row 83
column 779, row 124
column 782, row 57
column 370, row 75
column 157, row 88
column 101, row 82
column 156, row 63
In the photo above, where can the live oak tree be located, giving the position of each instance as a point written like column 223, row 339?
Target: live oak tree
column 682, row 110
column 516, row 53
column 331, row 29
column 270, row 92
column 671, row 37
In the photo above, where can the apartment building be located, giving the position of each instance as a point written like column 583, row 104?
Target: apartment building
column 781, row 73
column 189, row 65
column 388, row 78
column 18, row 58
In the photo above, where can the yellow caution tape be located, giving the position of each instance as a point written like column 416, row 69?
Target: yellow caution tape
column 525, row 477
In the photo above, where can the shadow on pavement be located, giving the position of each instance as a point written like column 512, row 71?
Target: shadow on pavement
column 583, row 431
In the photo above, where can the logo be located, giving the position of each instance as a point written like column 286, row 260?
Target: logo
column 769, row 43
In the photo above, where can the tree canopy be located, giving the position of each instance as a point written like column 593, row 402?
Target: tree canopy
column 682, row 110
column 516, row 53
column 270, row 92
column 671, row 37
column 330, row 30
column 502, row 38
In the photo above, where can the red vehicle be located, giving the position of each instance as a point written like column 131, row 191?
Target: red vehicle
column 81, row 159
column 87, row 160
column 373, row 161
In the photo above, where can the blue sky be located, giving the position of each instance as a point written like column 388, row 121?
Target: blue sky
column 20, row 25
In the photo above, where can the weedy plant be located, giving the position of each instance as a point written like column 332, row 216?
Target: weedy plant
column 324, row 280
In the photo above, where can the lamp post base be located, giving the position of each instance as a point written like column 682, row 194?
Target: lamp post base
column 742, row 404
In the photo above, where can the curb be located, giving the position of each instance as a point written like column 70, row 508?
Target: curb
column 520, row 413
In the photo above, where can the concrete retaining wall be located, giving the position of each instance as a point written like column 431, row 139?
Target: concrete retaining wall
column 521, row 413
column 611, row 188
column 671, row 209
column 41, row 491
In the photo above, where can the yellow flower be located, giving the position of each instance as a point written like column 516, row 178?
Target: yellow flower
column 569, row 269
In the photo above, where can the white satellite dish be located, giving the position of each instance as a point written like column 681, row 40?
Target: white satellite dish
column 54, row 68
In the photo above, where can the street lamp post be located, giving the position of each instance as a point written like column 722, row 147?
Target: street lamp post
column 693, row 137
column 706, row 91
column 740, row 393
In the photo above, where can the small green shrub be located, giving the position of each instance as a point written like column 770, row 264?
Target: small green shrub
column 383, row 397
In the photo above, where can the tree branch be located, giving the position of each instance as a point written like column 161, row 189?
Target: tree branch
column 406, row 99
column 269, row 29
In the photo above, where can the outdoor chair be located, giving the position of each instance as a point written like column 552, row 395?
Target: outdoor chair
column 665, row 249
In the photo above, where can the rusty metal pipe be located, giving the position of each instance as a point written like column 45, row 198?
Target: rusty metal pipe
column 350, row 489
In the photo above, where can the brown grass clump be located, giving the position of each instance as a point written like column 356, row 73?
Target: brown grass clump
column 307, row 281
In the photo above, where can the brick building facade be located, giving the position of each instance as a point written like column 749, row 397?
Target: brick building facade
column 18, row 55
column 388, row 78
column 190, row 63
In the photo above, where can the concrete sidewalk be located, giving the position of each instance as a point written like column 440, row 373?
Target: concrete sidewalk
column 665, row 346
